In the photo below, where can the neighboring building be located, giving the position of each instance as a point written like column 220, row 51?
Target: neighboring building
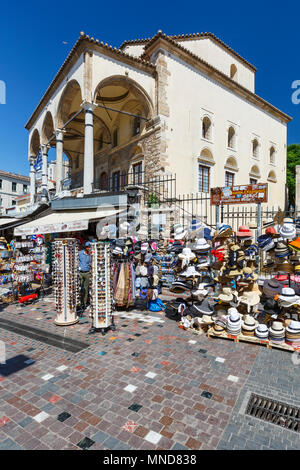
column 184, row 105
column 11, row 187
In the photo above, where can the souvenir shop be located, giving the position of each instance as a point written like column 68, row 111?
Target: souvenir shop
column 231, row 286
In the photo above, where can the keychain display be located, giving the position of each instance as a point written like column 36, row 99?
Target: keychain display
column 66, row 280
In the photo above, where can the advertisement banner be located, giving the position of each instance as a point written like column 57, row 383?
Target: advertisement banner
column 243, row 194
column 72, row 226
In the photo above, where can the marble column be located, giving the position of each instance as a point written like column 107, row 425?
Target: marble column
column 32, row 180
column 88, row 165
column 45, row 174
column 59, row 160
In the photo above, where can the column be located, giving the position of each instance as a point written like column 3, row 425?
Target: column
column 297, row 193
column 88, row 164
column 59, row 160
column 32, row 181
column 45, row 174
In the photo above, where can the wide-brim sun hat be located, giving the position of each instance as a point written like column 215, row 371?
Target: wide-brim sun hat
column 186, row 254
column 190, row 272
column 272, row 287
column 195, row 226
column 179, row 233
column 249, row 298
column 293, row 328
column 201, row 245
column 205, row 307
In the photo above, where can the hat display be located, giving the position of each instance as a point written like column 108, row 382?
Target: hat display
column 277, row 332
column 195, row 226
column 249, row 298
column 288, row 231
column 234, row 323
column 262, row 331
column 248, row 325
column 244, row 231
column 281, row 250
column 292, row 333
column 224, row 231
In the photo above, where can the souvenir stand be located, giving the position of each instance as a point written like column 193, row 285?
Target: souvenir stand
column 66, row 280
column 6, row 276
column 101, row 289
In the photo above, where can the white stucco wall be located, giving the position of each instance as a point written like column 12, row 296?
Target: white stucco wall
column 135, row 50
column 191, row 95
column 218, row 57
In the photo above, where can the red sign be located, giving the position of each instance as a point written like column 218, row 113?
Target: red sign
column 243, row 194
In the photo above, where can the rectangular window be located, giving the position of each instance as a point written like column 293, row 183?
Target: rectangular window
column 14, row 187
column 203, row 179
column 116, row 177
column 229, row 178
column 13, row 203
column 253, row 181
column 137, row 173
column 0, row 184
column 25, row 188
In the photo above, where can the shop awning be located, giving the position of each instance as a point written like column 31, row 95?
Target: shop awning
column 7, row 221
column 70, row 221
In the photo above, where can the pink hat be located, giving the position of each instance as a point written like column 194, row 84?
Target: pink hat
column 244, row 231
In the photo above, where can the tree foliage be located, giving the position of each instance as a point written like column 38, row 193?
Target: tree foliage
column 293, row 159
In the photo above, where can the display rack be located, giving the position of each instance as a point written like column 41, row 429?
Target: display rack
column 66, row 280
column 102, row 303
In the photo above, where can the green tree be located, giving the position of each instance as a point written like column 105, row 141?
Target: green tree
column 293, row 159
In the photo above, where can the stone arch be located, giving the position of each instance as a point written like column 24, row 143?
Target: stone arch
column 255, row 172
column 47, row 128
column 69, row 102
column 131, row 86
column 35, row 143
column 231, row 164
column 272, row 176
column 206, row 156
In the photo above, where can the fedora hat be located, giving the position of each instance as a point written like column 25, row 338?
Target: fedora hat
column 288, row 296
column 223, row 231
column 287, row 231
column 218, row 329
column 277, row 332
column 249, row 323
column 244, row 231
column 270, row 307
column 272, row 287
column 281, row 250
column 262, row 331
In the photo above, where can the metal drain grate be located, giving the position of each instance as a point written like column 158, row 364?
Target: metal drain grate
column 275, row 412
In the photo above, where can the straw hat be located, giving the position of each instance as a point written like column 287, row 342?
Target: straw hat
column 249, row 323
column 179, row 233
column 262, row 331
column 249, row 298
column 226, row 295
column 218, row 329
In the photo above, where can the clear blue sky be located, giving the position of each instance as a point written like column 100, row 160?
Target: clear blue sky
column 32, row 49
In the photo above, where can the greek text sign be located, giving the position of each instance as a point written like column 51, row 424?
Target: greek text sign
column 243, row 194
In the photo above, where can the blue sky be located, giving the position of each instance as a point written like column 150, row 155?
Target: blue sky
column 32, row 36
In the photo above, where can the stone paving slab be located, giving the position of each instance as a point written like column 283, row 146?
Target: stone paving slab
column 147, row 385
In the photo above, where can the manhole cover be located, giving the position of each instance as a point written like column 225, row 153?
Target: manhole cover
column 275, row 412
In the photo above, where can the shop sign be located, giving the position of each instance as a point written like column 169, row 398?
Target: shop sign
column 72, row 226
column 244, row 194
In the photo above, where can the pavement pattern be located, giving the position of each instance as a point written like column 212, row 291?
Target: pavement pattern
column 147, row 385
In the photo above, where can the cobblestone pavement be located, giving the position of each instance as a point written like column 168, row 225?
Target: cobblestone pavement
column 147, row 385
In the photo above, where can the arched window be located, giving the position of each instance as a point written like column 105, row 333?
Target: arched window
column 231, row 138
column 206, row 128
column 115, row 137
column 254, row 174
column 233, row 71
column 255, row 147
column 136, row 128
column 272, row 155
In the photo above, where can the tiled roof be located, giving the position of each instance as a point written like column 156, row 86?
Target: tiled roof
column 189, row 37
column 8, row 174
